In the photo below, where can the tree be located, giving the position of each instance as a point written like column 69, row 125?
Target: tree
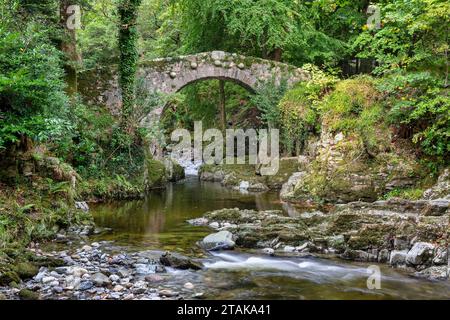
column 68, row 15
column 413, row 37
column 128, row 36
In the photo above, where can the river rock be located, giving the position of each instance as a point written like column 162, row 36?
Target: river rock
column 420, row 254
column 100, row 279
column 77, row 271
column 222, row 240
column 288, row 188
column 178, row 261
column 72, row 282
column 434, row 273
column 188, row 286
column 85, row 285
column 398, row 257
column 437, row 207
column 168, row 293
column 441, row 256
column 214, row 225
column 289, row 249
column 268, row 251
column 383, row 256
column 47, row 280
column 198, row 222
column 82, row 206
column 355, row 255
column 118, row 288
column 114, row 278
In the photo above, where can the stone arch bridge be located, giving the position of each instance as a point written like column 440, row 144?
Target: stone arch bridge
column 170, row 75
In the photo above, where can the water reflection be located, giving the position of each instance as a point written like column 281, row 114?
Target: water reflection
column 159, row 221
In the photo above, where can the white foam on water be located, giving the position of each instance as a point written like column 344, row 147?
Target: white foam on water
column 312, row 268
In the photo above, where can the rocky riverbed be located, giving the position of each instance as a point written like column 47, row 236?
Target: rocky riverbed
column 96, row 271
column 405, row 234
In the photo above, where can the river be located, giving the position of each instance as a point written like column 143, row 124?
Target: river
column 159, row 223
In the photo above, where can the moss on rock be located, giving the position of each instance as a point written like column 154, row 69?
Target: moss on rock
column 26, row 270
column 26, row 294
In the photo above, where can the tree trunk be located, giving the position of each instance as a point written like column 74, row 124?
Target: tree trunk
column 276, row 54
column 128, row 36
column 223, row 119
column 69, row 46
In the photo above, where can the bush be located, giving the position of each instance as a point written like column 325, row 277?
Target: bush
column 31, row 87
column 420, row 110
column 354, row 108
column 298, row 115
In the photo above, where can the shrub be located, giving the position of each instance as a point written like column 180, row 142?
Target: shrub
column 354, row 108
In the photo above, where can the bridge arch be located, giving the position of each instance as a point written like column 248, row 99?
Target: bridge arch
column 170, row 75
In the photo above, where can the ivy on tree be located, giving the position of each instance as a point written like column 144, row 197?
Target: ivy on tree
column 128, row 36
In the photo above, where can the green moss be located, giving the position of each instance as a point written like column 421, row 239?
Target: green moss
column 8, row 276
column 409, row 194
column 128, row 36
column 371, row 236
column 26, row 294
column 26, row 270
column 156, row 174
column 178, row 172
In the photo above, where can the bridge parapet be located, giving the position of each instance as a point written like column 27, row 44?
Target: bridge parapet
column 170, row 75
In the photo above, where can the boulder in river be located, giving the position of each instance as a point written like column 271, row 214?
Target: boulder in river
column 178, row 261
column 100, row 279
column 222, row 240
column 420, row 254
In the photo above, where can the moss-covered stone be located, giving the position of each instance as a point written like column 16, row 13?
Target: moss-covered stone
column 8, row 276
column 356, row 159
column 26, row 270
column 26, row 294
column 156, row 174
column 231, row 175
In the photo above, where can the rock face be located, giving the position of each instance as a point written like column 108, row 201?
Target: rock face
column 246, row 178
column 342, row 173
column 222, row 240
column 398, row 257
column 420, row 254
column 441, row 189
column 287, row 190
column 158, row 173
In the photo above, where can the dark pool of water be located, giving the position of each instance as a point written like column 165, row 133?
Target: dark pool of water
column 159, row 223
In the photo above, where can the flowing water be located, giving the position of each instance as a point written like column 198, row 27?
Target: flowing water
column 159, row 223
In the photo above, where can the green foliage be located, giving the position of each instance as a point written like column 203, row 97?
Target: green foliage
column 98, row 38
column 298, row 115
column 421, row 107
column 354, row 108
column 31, row 85
column 410, row 194
column 414, row 36
column 268, row 96
column 35, row 214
